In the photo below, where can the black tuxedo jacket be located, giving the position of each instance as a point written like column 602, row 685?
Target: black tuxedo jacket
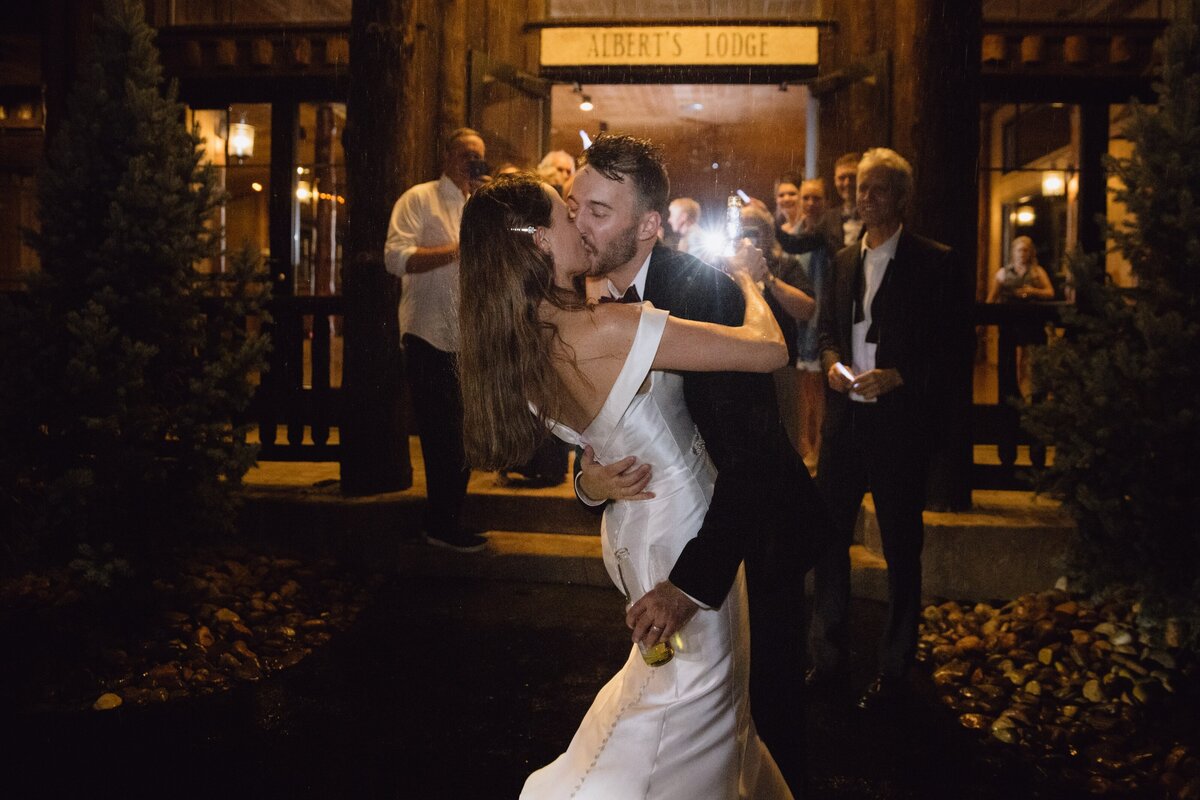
column 764, row 505
column 918, row 322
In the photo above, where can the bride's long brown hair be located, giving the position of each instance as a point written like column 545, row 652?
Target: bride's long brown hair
column 508, row 351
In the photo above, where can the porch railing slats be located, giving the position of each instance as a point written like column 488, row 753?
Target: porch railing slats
column 316, row 407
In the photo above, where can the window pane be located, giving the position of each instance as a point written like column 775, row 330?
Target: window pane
column 320, row 198
column 237, row 141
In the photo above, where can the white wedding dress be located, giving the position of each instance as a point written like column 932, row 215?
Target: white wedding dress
column 682, row 730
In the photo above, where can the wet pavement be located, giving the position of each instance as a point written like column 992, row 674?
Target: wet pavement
column 458, row 689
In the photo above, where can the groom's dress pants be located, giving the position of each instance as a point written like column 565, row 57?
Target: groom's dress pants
column 878, row 449
column 776, row 595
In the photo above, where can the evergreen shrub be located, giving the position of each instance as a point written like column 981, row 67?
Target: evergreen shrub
column 124, row 372
column 1123, row 413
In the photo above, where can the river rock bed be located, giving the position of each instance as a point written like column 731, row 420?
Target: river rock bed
column 211, row 620
column 1097, row 701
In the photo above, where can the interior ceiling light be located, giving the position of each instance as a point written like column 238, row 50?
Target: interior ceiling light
column 585, row 102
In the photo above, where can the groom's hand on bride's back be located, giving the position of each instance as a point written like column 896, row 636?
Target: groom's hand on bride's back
column 621, row 480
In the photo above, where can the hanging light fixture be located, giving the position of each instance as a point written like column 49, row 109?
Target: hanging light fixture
column 1054, row 183
column 585, row 102
column 241, row 139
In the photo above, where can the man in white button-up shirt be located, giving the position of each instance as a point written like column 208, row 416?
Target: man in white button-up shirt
column 422, row 249
column 890, row 327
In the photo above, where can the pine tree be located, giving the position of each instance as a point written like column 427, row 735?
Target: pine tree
column 1124, row 384
column 132, row 376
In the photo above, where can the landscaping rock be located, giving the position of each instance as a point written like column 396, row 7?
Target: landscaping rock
column 1070, row 683
column 107, row 701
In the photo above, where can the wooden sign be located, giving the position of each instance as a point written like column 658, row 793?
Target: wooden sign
column 699, row 45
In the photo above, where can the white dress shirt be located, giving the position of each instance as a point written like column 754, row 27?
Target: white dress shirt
column 427, row 215
column 639, row 281
column 875, row 265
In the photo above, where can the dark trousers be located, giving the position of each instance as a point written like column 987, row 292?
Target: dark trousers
column 437, row 405
column 776, row 596
column 877, row 448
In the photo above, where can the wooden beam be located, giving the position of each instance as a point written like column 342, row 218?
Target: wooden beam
column 374, row 442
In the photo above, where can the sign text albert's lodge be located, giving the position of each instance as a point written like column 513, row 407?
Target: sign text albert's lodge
column 701, row 45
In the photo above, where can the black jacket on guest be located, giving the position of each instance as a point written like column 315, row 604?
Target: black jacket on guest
column 918, row 322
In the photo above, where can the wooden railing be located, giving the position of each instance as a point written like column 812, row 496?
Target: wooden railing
column 284, row 399
column 999, row 423
column 286, row 402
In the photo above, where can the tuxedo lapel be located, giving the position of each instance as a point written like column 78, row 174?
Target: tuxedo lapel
column 658, row 280
column 844, row 313
column 895, row 274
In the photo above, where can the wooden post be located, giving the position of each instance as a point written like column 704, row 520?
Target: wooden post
column 937, row 128
column 374, row 442
column 1093, row 179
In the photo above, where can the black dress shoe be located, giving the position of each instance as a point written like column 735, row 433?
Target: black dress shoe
column 886, row 693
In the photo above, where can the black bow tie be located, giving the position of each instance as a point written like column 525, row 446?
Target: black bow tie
column 630, row 296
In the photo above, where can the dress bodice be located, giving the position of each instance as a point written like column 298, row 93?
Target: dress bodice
column 645, row 416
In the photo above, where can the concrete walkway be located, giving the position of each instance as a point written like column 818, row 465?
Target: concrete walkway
column 457, row 689
column 466, row 672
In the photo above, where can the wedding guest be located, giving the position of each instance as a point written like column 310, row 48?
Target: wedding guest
column 422, row 249
column 789, row 292
column 890, row 323
column 795, row 235
column 556, row 168
column 1023, row 280
column 845, row 171
column 684, row 219
column 817, row 264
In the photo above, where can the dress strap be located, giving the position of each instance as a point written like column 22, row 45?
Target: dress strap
column 637, row 365
column 651, row 325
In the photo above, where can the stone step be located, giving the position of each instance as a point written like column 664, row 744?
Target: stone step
column 1008, row 544
column 488, row 507
column 527, row 556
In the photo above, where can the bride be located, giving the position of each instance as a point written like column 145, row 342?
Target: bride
column 595, row 375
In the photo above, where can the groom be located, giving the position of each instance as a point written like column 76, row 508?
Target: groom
column 765, row 509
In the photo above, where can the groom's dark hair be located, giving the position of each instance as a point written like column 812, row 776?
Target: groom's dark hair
column 618, row 157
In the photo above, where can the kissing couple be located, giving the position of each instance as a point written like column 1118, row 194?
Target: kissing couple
column 705, row 500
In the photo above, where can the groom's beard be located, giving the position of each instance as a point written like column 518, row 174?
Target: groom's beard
column 618, row 253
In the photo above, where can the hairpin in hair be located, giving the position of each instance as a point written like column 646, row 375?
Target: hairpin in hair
column 530, row 229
